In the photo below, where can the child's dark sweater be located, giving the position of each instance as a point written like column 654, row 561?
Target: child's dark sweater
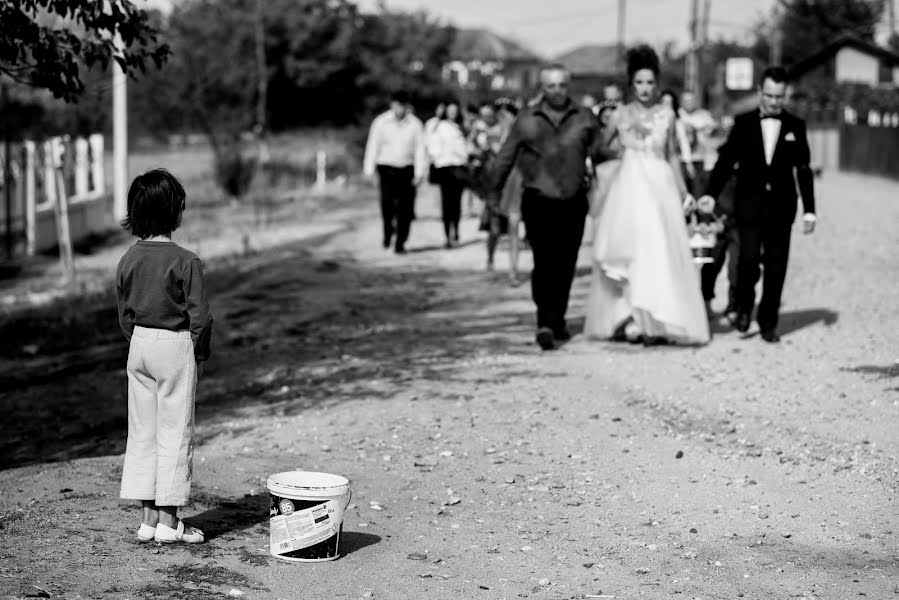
column 160, row 285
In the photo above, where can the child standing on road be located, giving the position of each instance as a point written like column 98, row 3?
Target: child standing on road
column 165, row 316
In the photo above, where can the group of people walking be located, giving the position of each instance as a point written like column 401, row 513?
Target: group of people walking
column 632, row 166
column 638, row 168
column 451, row 151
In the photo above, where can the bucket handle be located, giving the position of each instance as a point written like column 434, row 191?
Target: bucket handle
column 349, row 497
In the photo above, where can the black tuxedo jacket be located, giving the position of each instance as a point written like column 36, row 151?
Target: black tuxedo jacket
column 765, row 194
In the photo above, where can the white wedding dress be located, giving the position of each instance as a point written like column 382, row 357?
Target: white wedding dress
column 643, row 269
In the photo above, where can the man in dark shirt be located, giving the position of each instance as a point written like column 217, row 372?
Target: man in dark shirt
column 550, row 143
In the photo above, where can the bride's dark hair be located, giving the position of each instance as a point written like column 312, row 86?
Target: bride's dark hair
column 642, row 57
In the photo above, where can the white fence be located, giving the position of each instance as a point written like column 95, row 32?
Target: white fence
column 41, row 176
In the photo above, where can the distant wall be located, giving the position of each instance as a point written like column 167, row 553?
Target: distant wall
column 857, row 67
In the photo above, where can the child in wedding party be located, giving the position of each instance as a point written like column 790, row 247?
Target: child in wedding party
column 164, row 313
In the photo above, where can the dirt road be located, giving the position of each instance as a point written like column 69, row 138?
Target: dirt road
column 739, row 470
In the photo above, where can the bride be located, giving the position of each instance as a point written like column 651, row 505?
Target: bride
column 645, row 284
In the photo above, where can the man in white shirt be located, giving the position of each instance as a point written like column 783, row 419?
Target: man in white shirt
column 396, row 152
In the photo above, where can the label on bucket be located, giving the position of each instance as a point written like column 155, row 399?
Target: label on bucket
column 296, row 529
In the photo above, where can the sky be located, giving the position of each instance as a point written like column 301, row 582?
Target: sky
column 551, row 27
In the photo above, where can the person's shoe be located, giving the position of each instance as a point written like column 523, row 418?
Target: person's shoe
column 146, row 533
column 167, row 535
column 545, row 338
column 741, row 323
column 386, row 242
column 562, row 335
column 770, row 336
column 400, row 250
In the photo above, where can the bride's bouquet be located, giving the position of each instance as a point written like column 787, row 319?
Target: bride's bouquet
column 703, row 230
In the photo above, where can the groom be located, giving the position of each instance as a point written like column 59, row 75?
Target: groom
column 768, row 145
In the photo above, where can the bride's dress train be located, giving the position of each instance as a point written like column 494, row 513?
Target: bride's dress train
column 643, row 271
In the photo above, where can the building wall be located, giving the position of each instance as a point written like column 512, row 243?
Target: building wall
column 857, row 67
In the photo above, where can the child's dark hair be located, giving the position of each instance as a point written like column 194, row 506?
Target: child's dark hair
column 156, row 201
column 639, row 58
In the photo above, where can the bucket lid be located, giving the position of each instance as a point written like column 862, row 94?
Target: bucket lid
column 308, row 484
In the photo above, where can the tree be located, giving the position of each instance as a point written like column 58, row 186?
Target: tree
column 46, row 43
column 401, row 50
column 327, row 63
column 807, row 25
column 311, row 50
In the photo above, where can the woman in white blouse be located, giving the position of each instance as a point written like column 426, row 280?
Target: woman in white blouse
column 448, row 149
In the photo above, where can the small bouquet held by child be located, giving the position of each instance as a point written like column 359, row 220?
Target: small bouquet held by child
column 703, row 229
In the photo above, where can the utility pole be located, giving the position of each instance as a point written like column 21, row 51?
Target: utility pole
column 704, row 43
column 7, row 170
column 622, row 11
column 261, row 81
column 691, row 77
column 777, row 39
column 119, row 129
column 891, row 7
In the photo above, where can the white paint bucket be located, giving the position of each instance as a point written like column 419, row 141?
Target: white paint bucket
column 306, row 515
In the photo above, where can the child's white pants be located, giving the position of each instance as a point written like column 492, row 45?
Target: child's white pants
column 162, row 384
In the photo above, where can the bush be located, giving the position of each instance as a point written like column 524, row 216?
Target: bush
column 234, row 171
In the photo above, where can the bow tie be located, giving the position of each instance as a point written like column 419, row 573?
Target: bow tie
column 774, row 117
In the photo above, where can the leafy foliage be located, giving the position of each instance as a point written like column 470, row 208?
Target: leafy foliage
column 807, row 25
column 327, row 63
column 47, row 43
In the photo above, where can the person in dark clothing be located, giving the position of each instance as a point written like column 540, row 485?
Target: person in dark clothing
column 550, row 143
column 769, row 144
column 725, row 251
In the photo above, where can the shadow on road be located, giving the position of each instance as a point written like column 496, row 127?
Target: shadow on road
column 231, row 516
column 442, row 247
column 353, row 541
column 289, row 335
column 882, row 372
column 792, row 321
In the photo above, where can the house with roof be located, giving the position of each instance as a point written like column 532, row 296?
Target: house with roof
column 592, row 67
column 486, row 63
column 849, row 59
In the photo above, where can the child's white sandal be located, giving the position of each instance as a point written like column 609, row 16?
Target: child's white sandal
column 167, row 535
column 146, row 533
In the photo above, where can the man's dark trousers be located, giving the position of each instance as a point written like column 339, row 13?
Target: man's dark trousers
column 397, row 202
column 726, row 249
column 555, row 229
column 768, row 246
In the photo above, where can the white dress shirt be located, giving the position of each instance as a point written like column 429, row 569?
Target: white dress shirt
column 395, row 142
column 770, row 133
column 447, row 146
